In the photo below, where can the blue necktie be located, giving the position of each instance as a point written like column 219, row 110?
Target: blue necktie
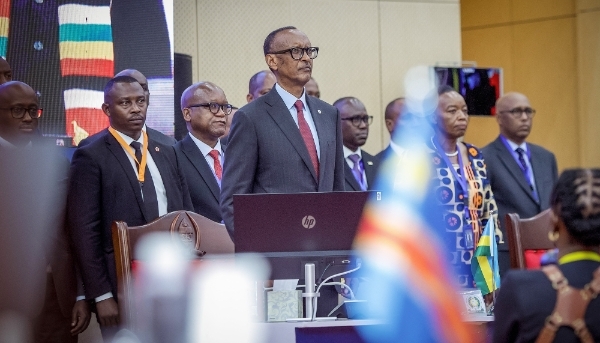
column 357, row 170
column 525, row 169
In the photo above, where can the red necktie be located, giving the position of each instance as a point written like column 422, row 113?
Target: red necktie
column 307, row 136
column 218, row 169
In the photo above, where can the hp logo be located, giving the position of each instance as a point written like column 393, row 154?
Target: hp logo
column 308, row 222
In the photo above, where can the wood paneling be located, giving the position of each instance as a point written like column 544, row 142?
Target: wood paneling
column 537, row 9
column 588, row 43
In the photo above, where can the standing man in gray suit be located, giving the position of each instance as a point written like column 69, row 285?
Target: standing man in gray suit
column 205, row 108
column 521, row 174
column 360, row 167
column 284, row 141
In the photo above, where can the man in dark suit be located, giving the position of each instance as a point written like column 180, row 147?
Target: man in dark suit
column 521, row 174
column 32, row 212
column 200, row 152
column 284, row 141
column 155, row 135
column 109, row 183
column 360, row 166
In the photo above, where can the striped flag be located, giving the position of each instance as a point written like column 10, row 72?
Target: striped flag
column 410, row 285
column 4, row 25
column 86, row 63
column 484, row 264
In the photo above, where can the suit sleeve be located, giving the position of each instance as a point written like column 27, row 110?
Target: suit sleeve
column 239, row 167
column 84, row 203
column 506, row 311
column 554, row 170
column 185, row 190
column 338, row 174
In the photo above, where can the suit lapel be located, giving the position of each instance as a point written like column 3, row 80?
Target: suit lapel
column 349, row 175
column 281, row 115
column 513, row 168
column 370, row 169
column 194, row 155
column 537, row 167
column 320, row 126
column 115, row 148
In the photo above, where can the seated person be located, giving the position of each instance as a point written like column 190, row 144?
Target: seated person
column 527, row 299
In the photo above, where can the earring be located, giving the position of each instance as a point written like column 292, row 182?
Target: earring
column 553, row 236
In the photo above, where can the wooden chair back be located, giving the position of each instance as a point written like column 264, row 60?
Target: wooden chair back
column 203, row 235
column 527, row 234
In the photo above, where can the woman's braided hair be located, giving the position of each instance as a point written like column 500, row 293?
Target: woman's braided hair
column 576, row 200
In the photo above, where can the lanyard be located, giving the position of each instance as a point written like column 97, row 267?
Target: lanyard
column 141, row 165
column 459, row 178
column 579, row 256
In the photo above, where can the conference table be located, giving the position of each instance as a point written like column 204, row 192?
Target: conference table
column 341, row 330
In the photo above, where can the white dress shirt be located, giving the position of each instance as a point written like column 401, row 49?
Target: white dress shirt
column 205, row 149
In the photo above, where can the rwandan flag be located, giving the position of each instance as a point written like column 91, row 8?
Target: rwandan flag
column 484, row 264
column 410, row 286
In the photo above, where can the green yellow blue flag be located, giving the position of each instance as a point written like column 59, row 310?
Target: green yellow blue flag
column 484, row 264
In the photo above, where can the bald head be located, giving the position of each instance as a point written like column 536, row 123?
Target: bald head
column 18, row 99
column 5, row 71
column 141, row 79
column 260, row 84
column 200, row 120
column 514, row 116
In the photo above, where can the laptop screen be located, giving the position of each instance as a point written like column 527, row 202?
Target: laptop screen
column 300, row 222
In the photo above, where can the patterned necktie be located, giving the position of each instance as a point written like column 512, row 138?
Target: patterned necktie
column 148, row 190
column 217, row 164
column 525, row 169
column 357, row 170
column 307, row 136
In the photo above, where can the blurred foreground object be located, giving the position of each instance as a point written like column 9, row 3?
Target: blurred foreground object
column 30, row 216
column 411, row 287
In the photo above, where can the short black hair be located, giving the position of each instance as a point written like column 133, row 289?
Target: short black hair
column 252, row 83
column 576, row 200
column 271, row 37
column 388, row 109
column 117, row 79
column 443, row 89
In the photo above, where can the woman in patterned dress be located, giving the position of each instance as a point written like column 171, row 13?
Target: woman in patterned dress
column 460, row 183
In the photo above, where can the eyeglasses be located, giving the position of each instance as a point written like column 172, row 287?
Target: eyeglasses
column 19, row 112
column 516, row 112
column 214, row 107
column 356, row 120
column 297, row 53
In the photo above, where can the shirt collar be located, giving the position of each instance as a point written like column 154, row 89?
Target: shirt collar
column 288, row 98
column 128, row 139
column 348, row 152
column 205, row 148
column 397, row 149
column 514, row 145
column 6, row 144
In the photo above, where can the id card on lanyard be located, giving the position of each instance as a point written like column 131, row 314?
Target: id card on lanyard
column 469, row 198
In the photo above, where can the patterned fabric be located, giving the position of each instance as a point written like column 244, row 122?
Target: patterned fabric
column 449, row 194
column 87, row 63
column 4, row 22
